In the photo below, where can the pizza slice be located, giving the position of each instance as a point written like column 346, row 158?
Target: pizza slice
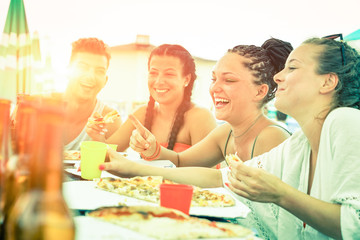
column 143, row 188
column 72, row 155
column 111, row 116
column 207, row 198
column 165, row 223
column 108, row 118
column 233, row 157
column 148, row 188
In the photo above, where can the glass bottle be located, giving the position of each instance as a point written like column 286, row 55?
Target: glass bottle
column 16, row 171
column 41, row 212
column 4, row 158
column 15, row 117
column 22, row 134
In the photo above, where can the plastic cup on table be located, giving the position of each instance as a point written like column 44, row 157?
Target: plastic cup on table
column 92, row 155
column 177, row 196
column 113, row 146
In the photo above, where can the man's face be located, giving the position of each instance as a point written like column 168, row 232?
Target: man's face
column 87, row 75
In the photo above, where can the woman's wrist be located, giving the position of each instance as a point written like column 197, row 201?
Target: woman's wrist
column 155, row 155
column 284, row 195
column 135, row 169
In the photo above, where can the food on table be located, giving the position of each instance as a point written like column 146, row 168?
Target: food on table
column 72, row 155
column 166, row 223
column 147, row 188
column 108, row 118
column 233, row 157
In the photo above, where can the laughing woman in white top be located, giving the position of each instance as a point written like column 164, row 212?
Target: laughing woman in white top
column 312, row 180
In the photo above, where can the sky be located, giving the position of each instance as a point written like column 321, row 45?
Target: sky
column 207, row 28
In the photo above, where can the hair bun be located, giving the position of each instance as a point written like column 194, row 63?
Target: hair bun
column 278, row 51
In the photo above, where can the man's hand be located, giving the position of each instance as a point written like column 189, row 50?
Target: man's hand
column 96, row 130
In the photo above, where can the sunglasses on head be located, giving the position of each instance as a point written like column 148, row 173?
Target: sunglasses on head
column 342, row 49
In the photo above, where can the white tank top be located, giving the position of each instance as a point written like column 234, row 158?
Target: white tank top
column 83, row 136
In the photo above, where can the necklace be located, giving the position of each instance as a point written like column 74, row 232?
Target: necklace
column 242, row 134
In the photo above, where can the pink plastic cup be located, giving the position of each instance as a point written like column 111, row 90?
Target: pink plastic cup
column 177, row 196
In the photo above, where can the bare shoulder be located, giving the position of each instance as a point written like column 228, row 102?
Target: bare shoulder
column 220, row 134
column 197, row 113
column 222, row 131
column 273, row 133
column 200, row 120
column 276, row 129
column 140, row 113
column 140, row 109
column 270, row 137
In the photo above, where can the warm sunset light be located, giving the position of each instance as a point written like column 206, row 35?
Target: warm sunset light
column 179, row 119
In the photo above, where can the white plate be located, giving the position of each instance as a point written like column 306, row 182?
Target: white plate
column 240, row 210
column 71, row 162
column 157, row 163
column 75, row 172
column 88, row 228
column 85, row 196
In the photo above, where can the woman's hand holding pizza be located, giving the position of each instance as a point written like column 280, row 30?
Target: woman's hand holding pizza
column 95, row 128
column 255, row 183
column 142, row 140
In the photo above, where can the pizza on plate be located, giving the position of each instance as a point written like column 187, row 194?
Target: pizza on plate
column 108, row 118
column 72, row 155
column 166, row 223
column 233, row 157
column 147, row 188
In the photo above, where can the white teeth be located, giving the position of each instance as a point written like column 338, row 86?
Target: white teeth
column 161, row 90
column 221, row 100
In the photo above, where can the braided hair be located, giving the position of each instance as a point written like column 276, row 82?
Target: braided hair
column 188, row 68
column 330, row 60
column 265, row 62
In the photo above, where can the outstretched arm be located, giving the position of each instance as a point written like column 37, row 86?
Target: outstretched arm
column 202, row 177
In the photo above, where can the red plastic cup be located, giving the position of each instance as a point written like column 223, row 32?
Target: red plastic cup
column 177, row 196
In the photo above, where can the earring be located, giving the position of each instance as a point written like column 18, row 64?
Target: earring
column 186, row 84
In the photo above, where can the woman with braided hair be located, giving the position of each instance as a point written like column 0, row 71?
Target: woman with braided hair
column 241, row 85
column 185, row 105
column 170, row 116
